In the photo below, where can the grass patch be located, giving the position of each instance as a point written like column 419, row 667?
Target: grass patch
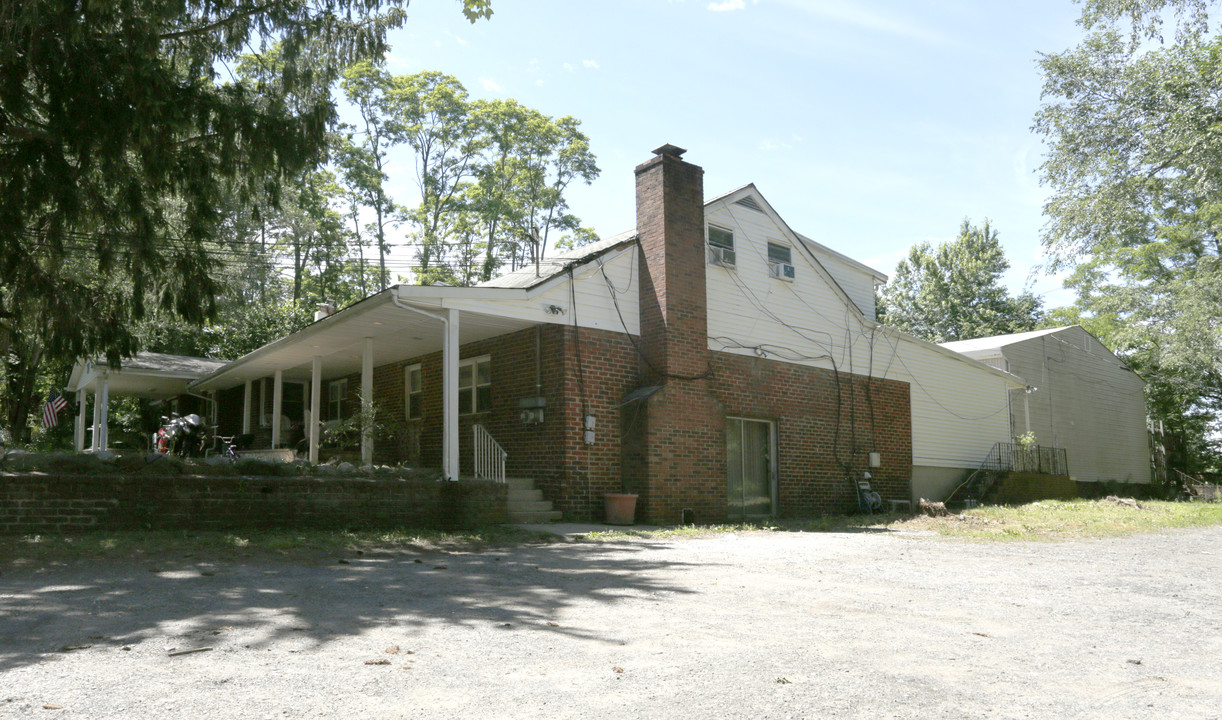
column 1069, row 519
column 1049, row 520
column 827, row 523
column 33, row 550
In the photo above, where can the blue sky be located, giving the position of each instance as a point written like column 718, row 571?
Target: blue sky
column 869, row 125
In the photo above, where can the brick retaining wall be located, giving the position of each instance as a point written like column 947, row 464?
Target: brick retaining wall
column 32, row 503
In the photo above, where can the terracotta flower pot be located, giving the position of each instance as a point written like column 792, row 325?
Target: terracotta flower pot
column 620, row 508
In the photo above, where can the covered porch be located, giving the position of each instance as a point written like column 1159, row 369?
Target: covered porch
column 343, row 365
column 150, row 376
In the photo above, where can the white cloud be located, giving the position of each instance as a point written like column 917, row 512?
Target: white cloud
column 861, row 16
column 569, row 67
column 489, row 85
column 592, row 64
column 768, row 145
column 726, row 5
column 539, row 83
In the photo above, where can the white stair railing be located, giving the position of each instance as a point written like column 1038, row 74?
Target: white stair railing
column 489, row 456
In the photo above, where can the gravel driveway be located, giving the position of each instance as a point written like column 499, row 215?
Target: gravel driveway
column 750, row 625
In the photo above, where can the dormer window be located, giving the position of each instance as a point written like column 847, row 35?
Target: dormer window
column 721, row 246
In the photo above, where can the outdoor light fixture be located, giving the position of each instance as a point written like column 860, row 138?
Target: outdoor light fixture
column 532, row 409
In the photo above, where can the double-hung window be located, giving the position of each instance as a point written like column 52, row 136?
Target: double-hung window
column 337, row 398
column 475, row 385
column 413, row 385
column 721, row 246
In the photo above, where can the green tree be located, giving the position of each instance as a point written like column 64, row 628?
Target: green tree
column 361, row 152
column 438, row 123
column 1134, row 163
column 954, row 291
column 529, row 162
column 121, row 131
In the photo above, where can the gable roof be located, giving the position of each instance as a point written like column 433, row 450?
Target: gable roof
column 527, row 277
column 750, row 190
column 147, row 374
column 994, row 343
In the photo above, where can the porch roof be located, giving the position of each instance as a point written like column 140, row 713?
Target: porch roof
column 146, row 375
column 398, row 333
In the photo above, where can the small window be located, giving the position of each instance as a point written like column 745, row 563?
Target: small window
column 413, row 384
column 721, row 238
column 475, row 385
column 337, row 397
column 780, row 264
column 721, row 247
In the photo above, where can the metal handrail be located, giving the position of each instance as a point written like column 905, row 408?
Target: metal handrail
column 489, row 456
column 1013, row 457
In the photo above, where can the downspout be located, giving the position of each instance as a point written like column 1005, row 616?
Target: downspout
column 451, row 473
column 538, row 361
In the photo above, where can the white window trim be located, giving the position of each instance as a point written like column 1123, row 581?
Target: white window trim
column 407, row 391
column 474, row 384
column 777, row 274
column 718, row 254
column 708, row 235
column 342, row 400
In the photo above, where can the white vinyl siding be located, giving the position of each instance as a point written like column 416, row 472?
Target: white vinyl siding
column 593, row 291
column 1086, row 402
column 959, row 407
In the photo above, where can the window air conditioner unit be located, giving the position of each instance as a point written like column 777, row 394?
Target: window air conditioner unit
column 721, row 256
column 782, row 271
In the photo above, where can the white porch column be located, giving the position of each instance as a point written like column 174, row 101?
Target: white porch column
column 246, row 409
column 315, row 402
column 103, row 400
column 449, row 391
column 367, row 403
column 277, row 400
column 449, row 384
column 95, row 430
column 78, row 429
column 1027, row 409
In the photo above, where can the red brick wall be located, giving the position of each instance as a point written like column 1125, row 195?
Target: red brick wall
column 571, row 474
column 31, row 503
column 229, row 404
column 669, row 449
column 820, row 447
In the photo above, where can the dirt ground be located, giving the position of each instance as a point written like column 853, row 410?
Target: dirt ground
column 748, row 625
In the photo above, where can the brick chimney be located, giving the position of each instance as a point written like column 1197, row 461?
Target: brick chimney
column 670, row 222
column 673, row 442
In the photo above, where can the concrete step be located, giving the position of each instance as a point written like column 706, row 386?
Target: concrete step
column 534, row 517
column 530, row 506
column 532, row 495
column 525, row 503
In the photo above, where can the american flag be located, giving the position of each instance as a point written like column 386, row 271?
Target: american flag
column 50, row 411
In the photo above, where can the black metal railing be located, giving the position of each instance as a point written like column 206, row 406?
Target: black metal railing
column 1013, row 457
